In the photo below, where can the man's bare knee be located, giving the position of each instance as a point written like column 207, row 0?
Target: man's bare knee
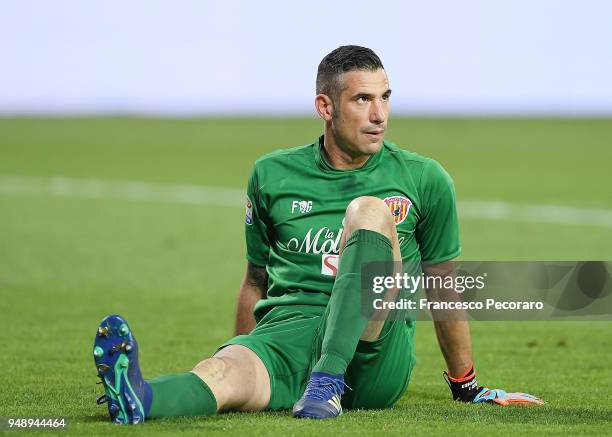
column 213, row 369
column 214, row 372
column 371, row 213
column 237, row 378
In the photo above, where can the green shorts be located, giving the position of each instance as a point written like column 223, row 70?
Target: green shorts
column 288, row 340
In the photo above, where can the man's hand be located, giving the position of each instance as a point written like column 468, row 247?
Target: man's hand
column 466, row 389
column 502, row 398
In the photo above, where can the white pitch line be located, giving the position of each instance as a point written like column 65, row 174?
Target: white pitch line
column 132, row 190
column 222, row 196
column 553, row 214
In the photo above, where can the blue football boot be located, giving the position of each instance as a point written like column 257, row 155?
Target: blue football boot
column 321, row 399
column 116, row 355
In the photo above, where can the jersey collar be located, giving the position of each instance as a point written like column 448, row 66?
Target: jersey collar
column 326, row 166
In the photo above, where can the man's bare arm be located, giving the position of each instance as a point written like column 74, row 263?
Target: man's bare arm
column 453, row 335
column 253, row 288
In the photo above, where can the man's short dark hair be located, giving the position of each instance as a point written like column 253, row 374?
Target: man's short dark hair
column 340, row 61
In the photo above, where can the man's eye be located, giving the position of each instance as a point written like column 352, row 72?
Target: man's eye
column 362, row 99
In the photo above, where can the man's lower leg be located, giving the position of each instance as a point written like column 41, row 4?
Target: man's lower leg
column 345, row 323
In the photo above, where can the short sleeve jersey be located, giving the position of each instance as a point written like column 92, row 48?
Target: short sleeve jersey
column 295, row 209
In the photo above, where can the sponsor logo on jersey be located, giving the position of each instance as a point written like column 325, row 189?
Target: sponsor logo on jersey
column 303, row 206
column 249, row 212
column 399, row 206
column 329, row 264
column 322, row 241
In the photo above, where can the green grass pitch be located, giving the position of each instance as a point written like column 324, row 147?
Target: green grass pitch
column 173, row 270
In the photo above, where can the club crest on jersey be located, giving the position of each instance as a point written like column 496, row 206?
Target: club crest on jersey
column 399, row 206
column 249, row 212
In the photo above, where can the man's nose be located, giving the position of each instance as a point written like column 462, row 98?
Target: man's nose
column 377, row 112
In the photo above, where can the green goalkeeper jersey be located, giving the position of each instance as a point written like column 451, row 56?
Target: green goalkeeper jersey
column 295, row 209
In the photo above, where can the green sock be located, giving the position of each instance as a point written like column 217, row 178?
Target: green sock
column 345, row 324
column 181, row 394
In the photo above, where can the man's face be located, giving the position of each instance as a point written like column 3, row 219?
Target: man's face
column 361, row 111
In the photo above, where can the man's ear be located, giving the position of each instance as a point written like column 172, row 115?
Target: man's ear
column 324, row 106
